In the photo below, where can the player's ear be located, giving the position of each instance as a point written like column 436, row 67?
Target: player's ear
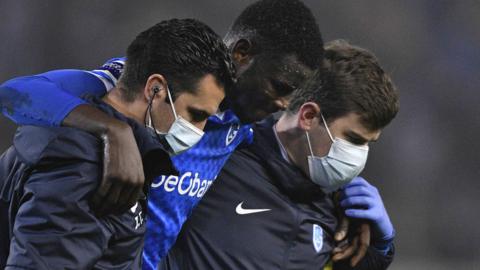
column 156, row 87
column 308, row 115
column 242, row 52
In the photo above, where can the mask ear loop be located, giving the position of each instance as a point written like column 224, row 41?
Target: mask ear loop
column 171, row 103
column 309, row 144
column 192, row 127
column 148, row 113
column 326, row 126
column 150, row 120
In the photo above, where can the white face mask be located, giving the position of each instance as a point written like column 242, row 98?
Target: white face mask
column 181, row 136
column 343, row 162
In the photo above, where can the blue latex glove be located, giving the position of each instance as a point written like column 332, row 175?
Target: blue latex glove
column 362, row 200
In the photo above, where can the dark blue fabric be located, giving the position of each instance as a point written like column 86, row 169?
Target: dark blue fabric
column 47, row 178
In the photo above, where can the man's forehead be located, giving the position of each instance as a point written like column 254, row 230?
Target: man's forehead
column 290, row 69
column 208, row 95
column 292, row 60
column 353, row 124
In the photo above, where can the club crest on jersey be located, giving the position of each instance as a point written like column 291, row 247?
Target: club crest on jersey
column 232, row 133
column 317, row 237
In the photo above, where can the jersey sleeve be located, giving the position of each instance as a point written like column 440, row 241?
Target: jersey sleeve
column 46, row 99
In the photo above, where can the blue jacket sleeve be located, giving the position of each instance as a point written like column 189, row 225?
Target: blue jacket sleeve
column 46, row 99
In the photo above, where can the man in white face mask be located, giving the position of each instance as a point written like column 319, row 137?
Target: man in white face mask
column 181, row 135
column 327, row 134
column 272, row 205
column 340, row 165
column 49, row 174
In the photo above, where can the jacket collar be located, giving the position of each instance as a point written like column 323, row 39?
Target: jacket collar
column 286, row 176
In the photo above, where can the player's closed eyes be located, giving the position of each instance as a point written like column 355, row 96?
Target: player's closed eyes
column 281, row 88
column 197, row 115
column 355, row 138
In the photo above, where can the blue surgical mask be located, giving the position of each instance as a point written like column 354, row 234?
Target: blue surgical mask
column 181, row 136
column 343, row 162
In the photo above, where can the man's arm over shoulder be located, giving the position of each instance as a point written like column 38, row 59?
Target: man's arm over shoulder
column 46, row 99
column 58, row 104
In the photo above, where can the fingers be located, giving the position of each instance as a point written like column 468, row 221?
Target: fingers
column 132, row 198
column 354, row 191
column 364, row 243
column 123, row 203
column 110, row 200
column 118, row 199
column 359, row 213
column 342, row 229
column 347, row 252
column 359, row 187
column 123, row 175
column 102, row 191
column 358, row 181
column 357, row 201
column 100, row 194
column 131, row 193
column 340, row 246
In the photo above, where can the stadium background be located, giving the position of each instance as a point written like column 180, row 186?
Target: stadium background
column 426, row 163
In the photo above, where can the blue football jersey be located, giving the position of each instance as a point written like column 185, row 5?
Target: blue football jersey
column 172, row 198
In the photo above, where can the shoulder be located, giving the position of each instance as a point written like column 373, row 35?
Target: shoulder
column 245, row 164
column 34, row 144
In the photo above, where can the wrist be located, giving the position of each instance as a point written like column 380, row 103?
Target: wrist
column 113, row 127
column 383, row 229
column 383, row 245
column 115, row 132
column 90, row 119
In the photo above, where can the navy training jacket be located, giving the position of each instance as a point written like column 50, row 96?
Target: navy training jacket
column 262, row 213
column 46, row 180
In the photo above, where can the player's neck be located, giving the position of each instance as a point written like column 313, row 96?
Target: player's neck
column 134, row 109
column 292, row 138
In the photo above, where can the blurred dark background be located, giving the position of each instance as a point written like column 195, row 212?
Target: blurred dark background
column 426, row 163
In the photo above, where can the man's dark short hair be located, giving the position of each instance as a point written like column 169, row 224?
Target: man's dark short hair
column 280, row 26
column 183, row 51
column 352, row 81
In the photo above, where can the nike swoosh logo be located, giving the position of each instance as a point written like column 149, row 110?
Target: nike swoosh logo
column 242, row 211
